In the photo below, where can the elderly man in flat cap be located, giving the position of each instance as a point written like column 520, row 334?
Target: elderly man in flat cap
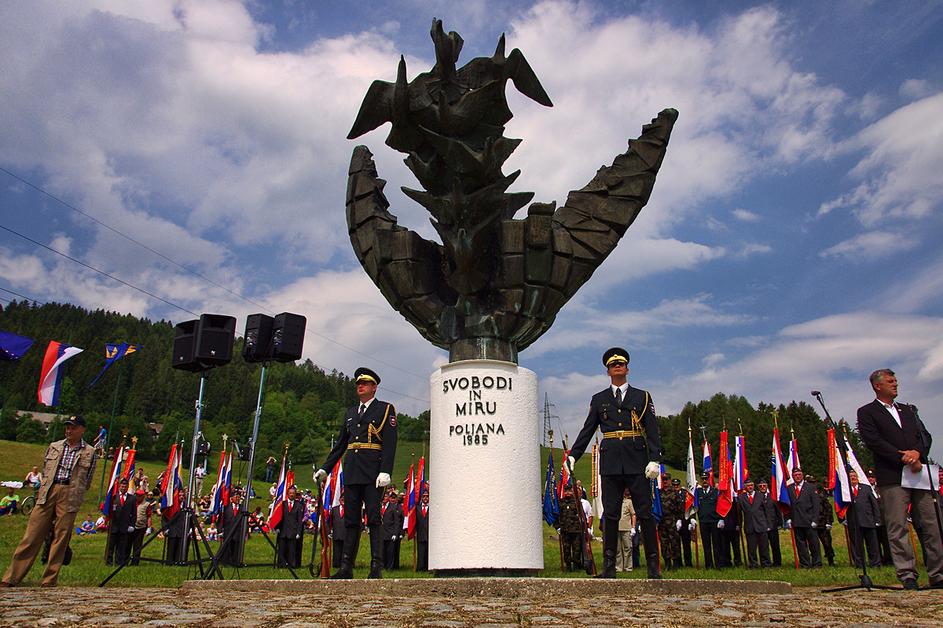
column 629, row 456
column 368, row 435
column 67, row 474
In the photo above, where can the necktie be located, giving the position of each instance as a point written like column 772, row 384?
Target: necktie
column 618, row 396
column 363, row 407
column 751, row 498
column 855, row 491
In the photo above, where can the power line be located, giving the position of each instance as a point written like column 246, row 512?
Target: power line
column 194, row 273
column 22, row 296
column 101, row 272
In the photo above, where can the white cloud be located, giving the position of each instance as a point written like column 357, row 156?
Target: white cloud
column 914, row 89
column 871, row 246
column 898, row 175
column 753, row 248
column 745, row 215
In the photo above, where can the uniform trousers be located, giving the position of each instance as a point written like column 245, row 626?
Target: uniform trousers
column 40, row 522
column 807, row 542
column 613, row 490
column 362, row 498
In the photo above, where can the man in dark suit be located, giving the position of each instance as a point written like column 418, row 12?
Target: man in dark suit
column 755, row 524
column 234, row 531
column 121, row 525
column 422, row 534
column 368, row 435
column 290, row 529
column 898, row 439
column 883, row 543
column 629, row 456
column 805, row 517
column 709, row 522
column 774, row 520
column 867, row 519
column 392, row 528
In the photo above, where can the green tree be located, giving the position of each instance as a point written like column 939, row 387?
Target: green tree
column 31, row 431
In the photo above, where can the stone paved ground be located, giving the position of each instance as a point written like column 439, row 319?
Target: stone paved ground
column 497, row 604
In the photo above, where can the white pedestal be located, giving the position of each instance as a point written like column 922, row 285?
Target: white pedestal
column 484, row 492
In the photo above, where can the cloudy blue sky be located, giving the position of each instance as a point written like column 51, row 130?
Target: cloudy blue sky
column 791, row 243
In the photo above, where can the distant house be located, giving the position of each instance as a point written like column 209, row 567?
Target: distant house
column 46, row 418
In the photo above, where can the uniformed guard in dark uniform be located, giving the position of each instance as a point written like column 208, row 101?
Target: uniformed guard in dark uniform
column 368, row 435
column 669, row 528
column 630, row 452
column 571, row 531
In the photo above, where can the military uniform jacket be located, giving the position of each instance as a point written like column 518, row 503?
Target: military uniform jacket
column 806, row 507
column 627, row 455
column 754, row 515
column 707, row 505
column 374, row 437
column 825, row 511
column 672, row 507
column 569, row 518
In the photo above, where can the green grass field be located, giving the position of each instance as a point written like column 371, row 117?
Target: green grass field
column 88, row 566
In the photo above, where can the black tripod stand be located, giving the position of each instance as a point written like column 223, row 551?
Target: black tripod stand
column 192, row 530
column 851, row 515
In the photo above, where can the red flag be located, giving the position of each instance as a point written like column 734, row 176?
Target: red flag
column 275, row 511
column 725, row 481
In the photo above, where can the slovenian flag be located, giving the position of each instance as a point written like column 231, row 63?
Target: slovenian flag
column 708, row 465
column 216, row 494
column 116, row 465
column 792, row 462
column 838, row 480
column 169, row 490
column 779, row 479
column 50, row 377
column 410, row 506
column 275, row 511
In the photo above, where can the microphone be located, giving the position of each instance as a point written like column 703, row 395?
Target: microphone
column 815, row 393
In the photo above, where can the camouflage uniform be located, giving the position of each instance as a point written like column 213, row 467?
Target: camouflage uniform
column 571, row 531
column 824, row 524
column 672, row 509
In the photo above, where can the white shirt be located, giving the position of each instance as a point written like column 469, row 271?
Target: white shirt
column 365, row 405
column 624, row 388
column 893, row 410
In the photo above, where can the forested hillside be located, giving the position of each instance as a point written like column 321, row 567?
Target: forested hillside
column 303, row 403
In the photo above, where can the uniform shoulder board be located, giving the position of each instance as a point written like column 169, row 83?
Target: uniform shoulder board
column 392, row 412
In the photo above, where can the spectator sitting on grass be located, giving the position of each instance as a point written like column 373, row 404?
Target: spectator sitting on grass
column 86, row 527
column 9, row 502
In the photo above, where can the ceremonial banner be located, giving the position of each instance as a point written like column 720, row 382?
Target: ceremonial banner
column 113, row 353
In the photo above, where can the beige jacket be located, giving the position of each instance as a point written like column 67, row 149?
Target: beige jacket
column 628, row 514
column 81, row 477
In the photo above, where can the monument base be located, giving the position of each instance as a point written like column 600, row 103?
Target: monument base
column 486, row 573
column 484, row 496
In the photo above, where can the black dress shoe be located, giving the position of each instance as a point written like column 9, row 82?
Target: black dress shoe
column 910, row 584
column 376, row 571
column 936, row 585
column 344, row 572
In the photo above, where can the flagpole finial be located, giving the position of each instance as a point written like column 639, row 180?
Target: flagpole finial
column 740, row 427
column 775, row 413
column 286, row 447
column 225, row 438
column 134, row 442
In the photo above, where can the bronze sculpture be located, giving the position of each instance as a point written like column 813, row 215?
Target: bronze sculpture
column 496, row 283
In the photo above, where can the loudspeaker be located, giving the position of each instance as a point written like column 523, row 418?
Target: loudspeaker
column 288, row 336
column 214, row 339
column 258, row 338
column 184, row 341
column 203, row 344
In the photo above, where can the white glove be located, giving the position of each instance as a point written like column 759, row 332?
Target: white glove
column 297, row 536
column 320, row 475
column 814, row 524
column 632, row 532
column 652, row 470
column 720, row 524
column 678, row 524
column 570, row 463
column 383, row 480
column 788, row 524
column 828, row 526
column 692, row 525
column 130, row 529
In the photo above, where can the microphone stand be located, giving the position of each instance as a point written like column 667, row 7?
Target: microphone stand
column 934, row 493
column 851, row 516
